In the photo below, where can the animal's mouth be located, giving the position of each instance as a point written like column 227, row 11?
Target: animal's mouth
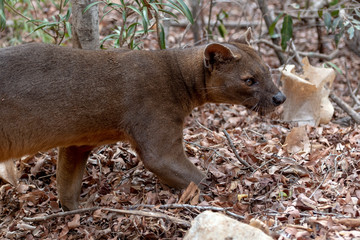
column 262, row 107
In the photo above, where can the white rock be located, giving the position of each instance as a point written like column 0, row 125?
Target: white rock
column 216, row 226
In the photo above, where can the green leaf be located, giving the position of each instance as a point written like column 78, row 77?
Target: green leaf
column 330, row 64
column 65, row 3
column 351, row 32
column 337, row 38
column 327, row 20
column 286, row 31
column 153, row 6
column 334, row 2
column 162, row 37
column 186, row 11
column 135, row 10
column 105, row 13
column 335, row 23
column 357, row 12
column 168, row 12
column 2, row 16
column 108, row 37
column 145, row 19
column 68, row 29
column 222, row 30
column 68, row 14
column 90, row 5
column 320, row 13
column 45, row 25
column 272, row 26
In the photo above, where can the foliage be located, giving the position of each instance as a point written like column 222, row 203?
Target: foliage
column 53, row 29
column 338, row 19
column 139, row 17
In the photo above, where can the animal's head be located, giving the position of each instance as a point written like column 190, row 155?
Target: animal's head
column 236, row 74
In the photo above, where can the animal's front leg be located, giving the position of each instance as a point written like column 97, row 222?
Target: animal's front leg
column 163, row 154
column 69, row 174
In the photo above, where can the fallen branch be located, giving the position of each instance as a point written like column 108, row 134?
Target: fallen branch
column 188, row 206
column 131, row 211
column 344, row 106
column 61, row 214
column 150, row 214
column 235, row 152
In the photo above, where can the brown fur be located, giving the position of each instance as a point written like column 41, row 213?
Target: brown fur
column 75, row 99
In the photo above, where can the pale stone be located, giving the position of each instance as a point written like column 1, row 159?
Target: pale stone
column 216, row 226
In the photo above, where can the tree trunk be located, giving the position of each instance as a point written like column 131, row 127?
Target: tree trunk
column 85, row 25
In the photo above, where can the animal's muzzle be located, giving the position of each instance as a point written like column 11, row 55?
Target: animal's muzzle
column 278, row 98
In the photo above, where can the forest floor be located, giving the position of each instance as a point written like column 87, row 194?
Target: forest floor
column 306, row 195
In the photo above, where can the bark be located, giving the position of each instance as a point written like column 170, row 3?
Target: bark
column 85, row 25
column 268, row 21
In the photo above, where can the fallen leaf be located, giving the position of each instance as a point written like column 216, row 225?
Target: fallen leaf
column 8, row 172
column 75, row 222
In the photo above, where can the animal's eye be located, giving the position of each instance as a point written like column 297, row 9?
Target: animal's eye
column 250, row 81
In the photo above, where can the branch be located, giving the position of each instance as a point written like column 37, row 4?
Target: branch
column 268, row 20
column 150, row 214
column 185, row 206
column 61, row 214
column 304, row 54
column 352, row 94
column 235, row 152
column 243, row 25
column 344, row 106
column 131, row 210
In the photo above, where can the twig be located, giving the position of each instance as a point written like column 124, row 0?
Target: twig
column 297, row 57
column 176, row 205
column 242, row 25
column 344, row 106
column 356, row 100
column 150, row 214
column 61, row 214
column 327, row 173
column 185, row 206
column 131, row 210
column 304, row 54
column 209, row 21
column 235, row 152
column 268, row 21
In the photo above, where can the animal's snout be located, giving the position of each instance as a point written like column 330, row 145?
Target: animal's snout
column 278, row 98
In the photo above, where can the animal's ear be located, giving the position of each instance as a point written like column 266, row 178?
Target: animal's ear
column 216, row 53
column 246, row 37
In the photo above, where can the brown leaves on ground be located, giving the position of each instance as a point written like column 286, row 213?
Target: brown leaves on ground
column 298, row 195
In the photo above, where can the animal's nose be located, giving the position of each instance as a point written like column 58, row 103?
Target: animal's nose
column 278, row 98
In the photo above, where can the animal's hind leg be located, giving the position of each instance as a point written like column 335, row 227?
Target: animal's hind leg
column 69, row 174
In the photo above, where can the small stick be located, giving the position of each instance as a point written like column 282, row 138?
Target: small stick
column 297, row 57
column 354, row 115
column 304, row 54
column 189, row 206
column 352, row 94
column 139, row 212
column 235, row 152
column 150, row 214
column 61, row 214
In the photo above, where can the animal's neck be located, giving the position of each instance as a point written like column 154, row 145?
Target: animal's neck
column 188, row 68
